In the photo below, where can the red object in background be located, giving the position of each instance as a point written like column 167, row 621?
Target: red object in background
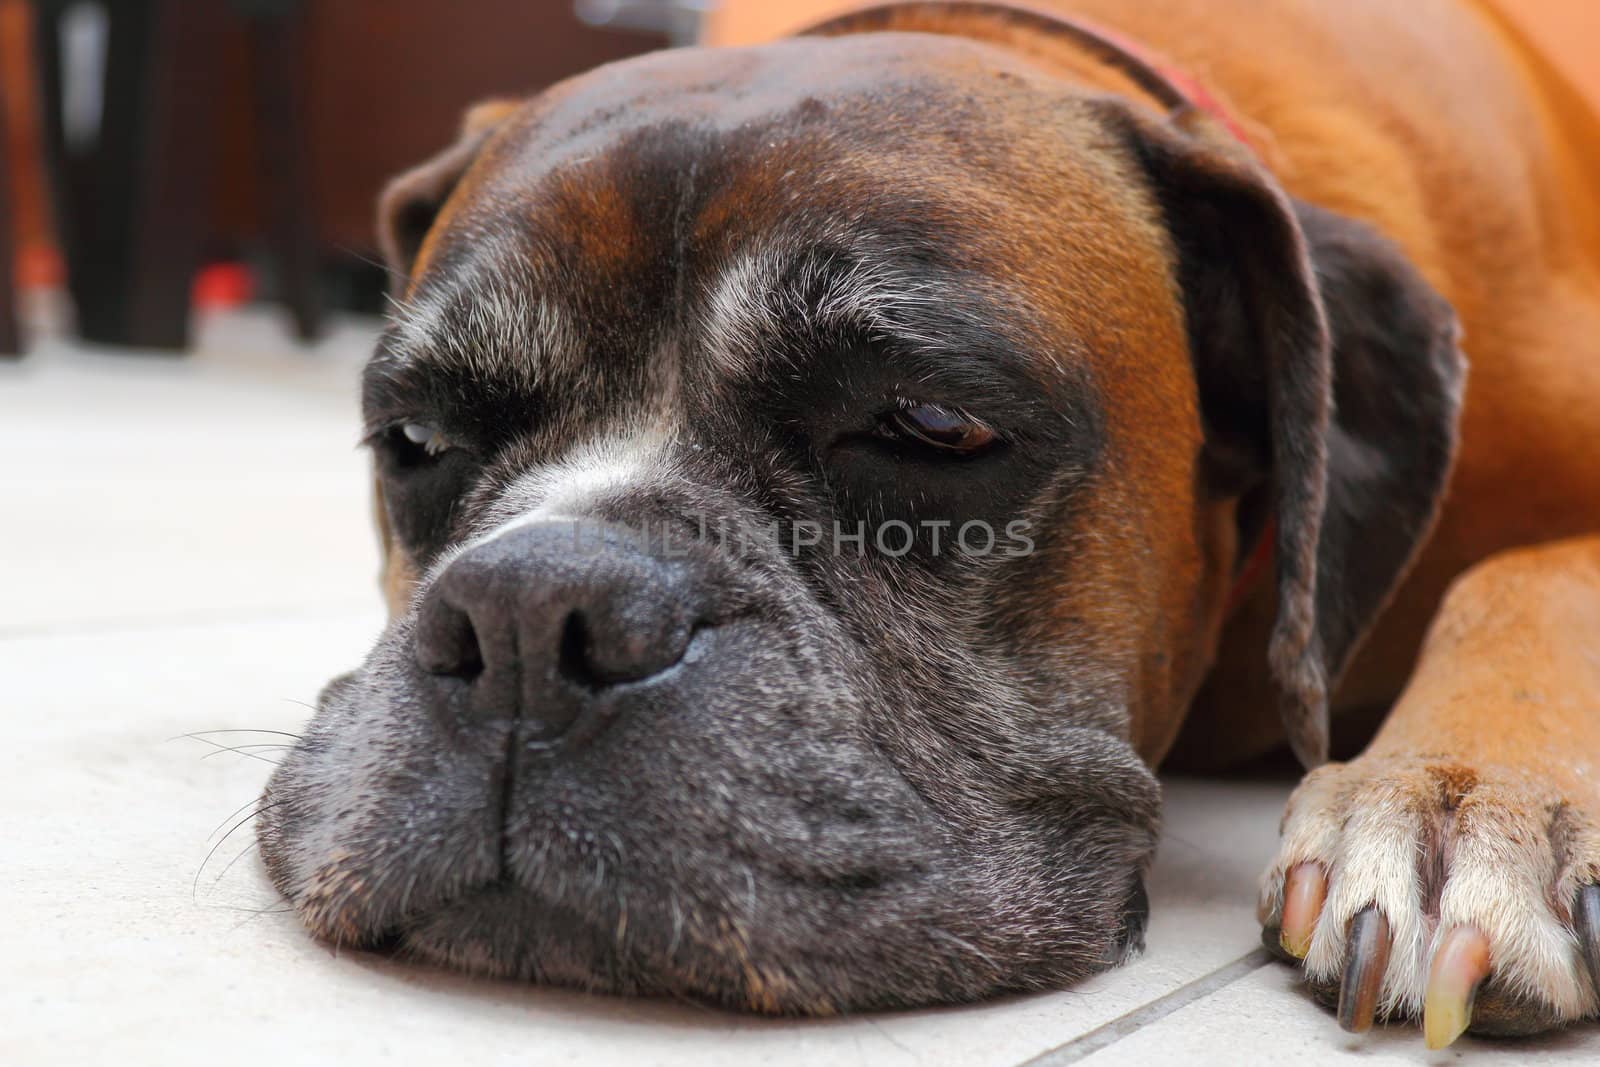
column 40, row 267
column 216, row 285
column 223, row 285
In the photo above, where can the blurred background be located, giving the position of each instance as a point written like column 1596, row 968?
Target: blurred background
column 162, row 157
column 167, row 155
column 188, row 288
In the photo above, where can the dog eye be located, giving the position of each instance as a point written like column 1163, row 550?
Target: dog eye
column 431, row 440
column 935, row 426
column 417, row 442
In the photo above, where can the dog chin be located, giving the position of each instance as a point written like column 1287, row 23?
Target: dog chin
column 503, row 932
column 507, row 933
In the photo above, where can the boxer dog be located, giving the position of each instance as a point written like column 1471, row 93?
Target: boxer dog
column 821, row 481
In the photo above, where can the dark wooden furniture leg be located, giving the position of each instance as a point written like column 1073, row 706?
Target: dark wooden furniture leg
column 61, row 170
column 174, row 164
column 283, row 148
column 133, row 203
column 10, row 329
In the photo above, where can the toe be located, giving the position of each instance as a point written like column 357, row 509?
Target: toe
column 1586, row 923
column 1460, row 964
column 1304, row 890
column 1366, row 960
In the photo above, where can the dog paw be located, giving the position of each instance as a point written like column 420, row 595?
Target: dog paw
column 1421, row 888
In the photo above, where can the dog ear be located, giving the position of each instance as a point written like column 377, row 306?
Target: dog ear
column 1328, row 365
column 411, row 202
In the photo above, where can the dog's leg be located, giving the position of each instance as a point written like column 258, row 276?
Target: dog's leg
column 1450, row 871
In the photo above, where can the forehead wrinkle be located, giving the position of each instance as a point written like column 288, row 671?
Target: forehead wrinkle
column 493, row 323
column 764, row 292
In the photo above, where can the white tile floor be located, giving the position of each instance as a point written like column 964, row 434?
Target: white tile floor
column 184, row 546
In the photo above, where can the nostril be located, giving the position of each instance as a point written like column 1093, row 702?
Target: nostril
column 572, row 656
column 595, row 657
column 447, row 643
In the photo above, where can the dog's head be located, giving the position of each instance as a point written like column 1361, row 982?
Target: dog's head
column 812, row 477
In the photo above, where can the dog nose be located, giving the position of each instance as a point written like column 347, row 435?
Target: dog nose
column 540, row 620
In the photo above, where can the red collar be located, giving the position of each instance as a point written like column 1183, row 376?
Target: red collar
column 1184, row 85
column 1171, row 86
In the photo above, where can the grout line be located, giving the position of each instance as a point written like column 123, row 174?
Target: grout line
column 1100, row 1037
column 240, row 616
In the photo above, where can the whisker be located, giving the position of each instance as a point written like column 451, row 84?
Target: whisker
column 253, row 912
column 279, row 733
column 241, row 749
column 256, row 799
column 242, row 854
column 225, row 748
column 195, row 889
column 256, row 913
column 350, row 250
column 250, row 914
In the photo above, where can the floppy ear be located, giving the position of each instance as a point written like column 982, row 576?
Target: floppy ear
column 412, row 201
column 1326, row 366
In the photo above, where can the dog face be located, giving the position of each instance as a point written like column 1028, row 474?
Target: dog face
column 803, row 511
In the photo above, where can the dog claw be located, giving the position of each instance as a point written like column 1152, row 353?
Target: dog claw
column 1304, row 889
column 1366, row 960
column 1460, row 964
column 1586, row 922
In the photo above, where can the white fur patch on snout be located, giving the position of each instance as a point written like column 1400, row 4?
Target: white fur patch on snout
column 568, row 490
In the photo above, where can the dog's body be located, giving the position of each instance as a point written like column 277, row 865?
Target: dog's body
column 612, row 256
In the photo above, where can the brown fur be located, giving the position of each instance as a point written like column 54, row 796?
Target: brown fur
column 1476, row 156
